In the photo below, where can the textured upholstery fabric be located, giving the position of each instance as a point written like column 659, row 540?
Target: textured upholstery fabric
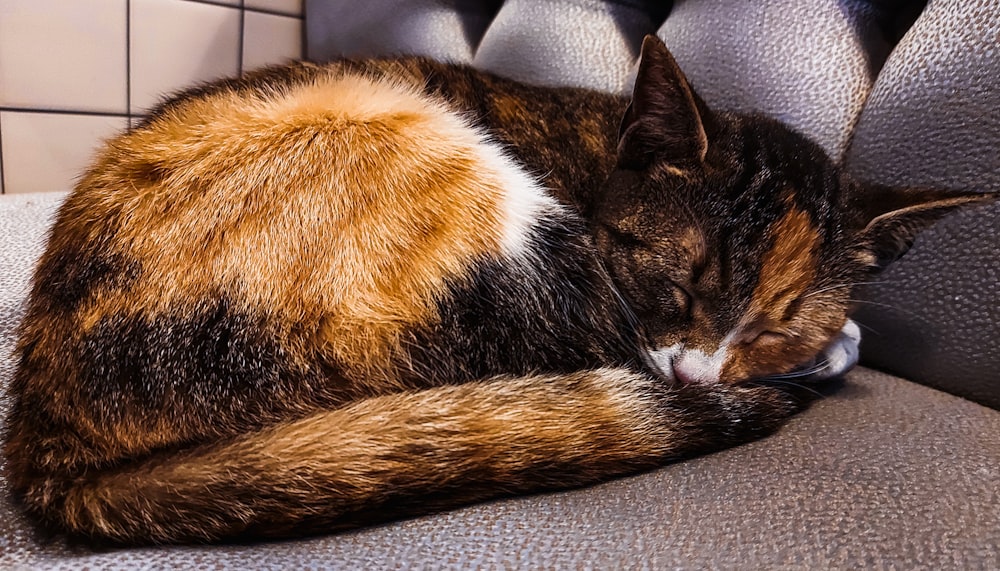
column 579, row 43
column 933, row 119
column 443, row 29
column 810, row 64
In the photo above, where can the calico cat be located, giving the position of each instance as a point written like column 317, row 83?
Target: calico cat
column 321, row 296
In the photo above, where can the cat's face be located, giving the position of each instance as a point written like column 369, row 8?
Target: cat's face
column 736, row 240
column 739, row 267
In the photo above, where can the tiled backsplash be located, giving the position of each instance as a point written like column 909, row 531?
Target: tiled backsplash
column 74, row 72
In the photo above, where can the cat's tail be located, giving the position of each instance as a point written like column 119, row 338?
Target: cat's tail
column 412, row 453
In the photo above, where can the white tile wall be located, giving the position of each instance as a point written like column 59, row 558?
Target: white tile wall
column 270, row 39
column 175, row 44
column 74, row 61
column 73, row 72
column 48, row 151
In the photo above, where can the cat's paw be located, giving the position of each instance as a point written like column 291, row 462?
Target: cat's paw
column 839, row 357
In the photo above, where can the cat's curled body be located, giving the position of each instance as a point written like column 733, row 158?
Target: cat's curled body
column 321, row 296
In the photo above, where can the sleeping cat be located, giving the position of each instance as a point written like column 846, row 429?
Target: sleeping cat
column 321, row 296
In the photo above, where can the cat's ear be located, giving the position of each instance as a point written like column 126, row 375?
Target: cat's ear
column 665, row 119
column 891, row 218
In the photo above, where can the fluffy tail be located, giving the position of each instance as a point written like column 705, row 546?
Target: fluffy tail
column 411, row 453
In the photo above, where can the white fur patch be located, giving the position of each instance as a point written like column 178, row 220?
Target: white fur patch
column 697, row 366
column 526, row 201
column 839, row 357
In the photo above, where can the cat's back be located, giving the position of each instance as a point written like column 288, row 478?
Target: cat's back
column 331, row 213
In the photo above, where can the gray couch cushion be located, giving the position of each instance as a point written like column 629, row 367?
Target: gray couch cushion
column 578, row 43
column 809, row 64
column 884, row 473
column 933, row 119
column 444, row 29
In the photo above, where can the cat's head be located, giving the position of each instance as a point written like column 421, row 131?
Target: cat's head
column 736, row 240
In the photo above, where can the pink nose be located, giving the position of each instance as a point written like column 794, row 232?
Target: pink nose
column 696, row 367
column 683, row 375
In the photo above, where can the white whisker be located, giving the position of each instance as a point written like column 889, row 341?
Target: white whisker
column 821, row 366
column 842, row 286
column 886, row 305
column 770, row 380
column 866, row 327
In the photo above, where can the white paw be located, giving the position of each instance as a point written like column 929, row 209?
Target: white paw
column 840, row 356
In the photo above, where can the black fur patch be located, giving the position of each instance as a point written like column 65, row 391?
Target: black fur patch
column 560, row 317
column 207, row 363
column 73, row 274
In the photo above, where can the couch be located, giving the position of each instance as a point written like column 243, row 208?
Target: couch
column 898, row 467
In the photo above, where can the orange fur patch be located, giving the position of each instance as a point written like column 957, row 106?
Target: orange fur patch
column 787, row 271
column 342, row 207
column 788, row 268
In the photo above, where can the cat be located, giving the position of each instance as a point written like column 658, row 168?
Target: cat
column 321, row 296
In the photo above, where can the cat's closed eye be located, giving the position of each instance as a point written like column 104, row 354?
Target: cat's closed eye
column 792, row 309
column 684, row 298
column 767, row 337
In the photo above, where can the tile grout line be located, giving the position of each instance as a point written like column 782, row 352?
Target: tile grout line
column 242, row 6
column 243, row 33
column 3, row 183
column 276, row 13
column 128, row 64
column 62, row 111
column 303, row 38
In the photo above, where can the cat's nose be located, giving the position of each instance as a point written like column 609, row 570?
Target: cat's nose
column 683, row 376
column 695, row 367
